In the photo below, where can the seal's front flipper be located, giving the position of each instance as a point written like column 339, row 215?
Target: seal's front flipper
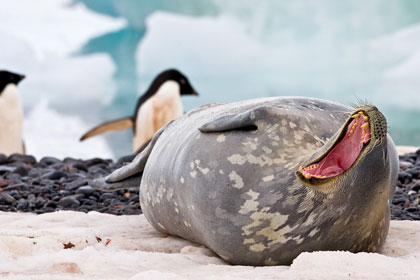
column 114, row 125
column 243, row 121
column 103, row 185
column 129, row 175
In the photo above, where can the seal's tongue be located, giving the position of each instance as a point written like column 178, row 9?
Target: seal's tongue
column 345, row 151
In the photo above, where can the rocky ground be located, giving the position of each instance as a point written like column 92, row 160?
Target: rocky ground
column 50, row 184
column 405, row 205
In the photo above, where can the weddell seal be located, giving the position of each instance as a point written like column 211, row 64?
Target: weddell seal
column 260, row 181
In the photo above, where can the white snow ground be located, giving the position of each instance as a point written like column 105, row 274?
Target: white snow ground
column 126, row 247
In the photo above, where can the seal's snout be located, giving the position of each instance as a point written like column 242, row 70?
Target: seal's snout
column 377, row 121
column 380, row 125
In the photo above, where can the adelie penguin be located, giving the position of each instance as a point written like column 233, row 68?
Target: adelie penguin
column 11, row 114
column 160, row 104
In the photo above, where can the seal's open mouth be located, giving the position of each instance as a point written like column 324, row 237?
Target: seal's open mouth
column 353, row 139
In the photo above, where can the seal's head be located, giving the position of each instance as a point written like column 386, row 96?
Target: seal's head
column 358, row 168
column 362, row 140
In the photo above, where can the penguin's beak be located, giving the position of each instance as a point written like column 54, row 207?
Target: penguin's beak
column 194, row 93
column 19, row 78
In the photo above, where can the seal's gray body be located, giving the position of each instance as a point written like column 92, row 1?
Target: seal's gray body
column 232, row 186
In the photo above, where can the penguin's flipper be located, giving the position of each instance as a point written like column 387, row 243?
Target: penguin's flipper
column 129, row 175
column 113, row 125
column 247, row 120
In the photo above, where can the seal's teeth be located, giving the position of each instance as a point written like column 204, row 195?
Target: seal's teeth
column 366, row 118
column 301, row 169
column 364, row 126
column 355, row 116
column 353, row 127
column 307, row 175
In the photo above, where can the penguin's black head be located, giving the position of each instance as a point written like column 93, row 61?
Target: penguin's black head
column 7, row 77
column 174, row 75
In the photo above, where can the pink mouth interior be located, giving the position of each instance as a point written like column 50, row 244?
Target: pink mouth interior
column 343, row 154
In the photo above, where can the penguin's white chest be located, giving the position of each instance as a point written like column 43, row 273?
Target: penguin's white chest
column 11, row 119
column 164, row 106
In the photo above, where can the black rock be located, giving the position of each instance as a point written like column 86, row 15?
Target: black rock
column 86, row 190
column 416, row 186
column 69, row 202
column 23, row 205
column 80, row 166
column 414, row 172
column 51, row 204
column 406, row 165
column 95, row 161
column 412, row 209
column 16, row 187
column 131, row 210
column 40, row 202
column 108, row 195
column 16, row 194
column 55, row 175
column 22, row 171
column 49, row 161
column 13, row 177
column 34, row 173
column 404, row 177
column 22, row 158
column 6, row 169
column 4, row 159
column 8, row 198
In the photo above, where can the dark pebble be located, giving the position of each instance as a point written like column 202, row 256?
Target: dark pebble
column 416, row 186
column 3, row 159
column 16, row 187
column 5, row 169
column 22, row 171
column 69, row 202
column 8, row 198
column 414, row 172
column 13, row 177
column 412, row 209
column 131, row 210
column 55, row 175
column 80, row 166
column 49, row 161
column 23, row 204
column 404, row 177
column 22, row 158
column 15, row 194
column 95, row 161
column 86, row 190
column 34, row 173
column 406, row 165
column 40, row 202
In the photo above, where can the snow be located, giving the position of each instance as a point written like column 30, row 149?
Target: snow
column 127, row 247
column 50, row 133
column 54, row 26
